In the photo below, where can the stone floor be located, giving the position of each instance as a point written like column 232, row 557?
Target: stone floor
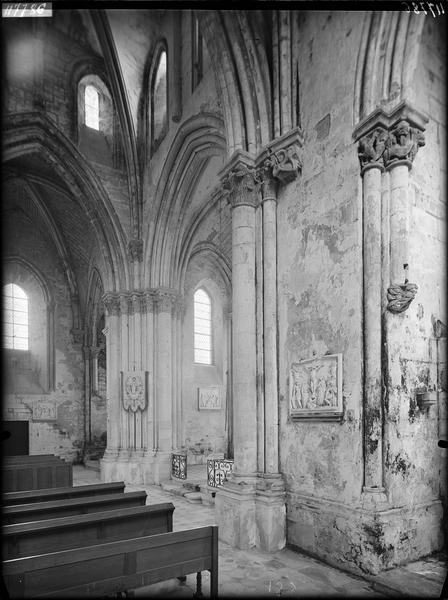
column 252, row 573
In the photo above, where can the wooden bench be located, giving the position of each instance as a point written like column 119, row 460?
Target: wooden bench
column 40, row 537
column 39, row 511
column 35, row 472
column 63, row 493
column 29, row 458
column 115, row 567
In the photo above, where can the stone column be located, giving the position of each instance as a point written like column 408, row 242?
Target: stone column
column 164, row 300
column 235, row 501
column 113, row 400
column 404, row 141
column 378, row 148
column 278, row 165
column 243, row 201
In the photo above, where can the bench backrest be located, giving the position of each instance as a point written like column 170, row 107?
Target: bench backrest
column 36, row 474
column 47, row 494
column 115, row 566
column 29, row 458
column 40, row 537
column 38, row 511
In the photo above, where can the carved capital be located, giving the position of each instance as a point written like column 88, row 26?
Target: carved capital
column 135, row 303
column 386, row 139
column 371, row 148
column 148, row 301
column 402, row 144
column 281, row 158
column 286, row 163
column 111, row 301
column 165, row 300
column 240, row 185
column 239, row 180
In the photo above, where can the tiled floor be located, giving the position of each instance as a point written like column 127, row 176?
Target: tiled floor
column 253, row 573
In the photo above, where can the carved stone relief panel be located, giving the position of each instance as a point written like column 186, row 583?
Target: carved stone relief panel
column 315, row 388
column 134, row 390
column 209, row 398
column 44, row 411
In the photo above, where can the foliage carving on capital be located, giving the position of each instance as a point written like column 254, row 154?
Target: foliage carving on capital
column 148, row 302
column 240, row 185
column 165, row 300
column 111, row 302
column 371, row 148
column 403, row 143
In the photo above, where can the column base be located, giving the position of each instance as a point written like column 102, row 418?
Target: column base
column 136, row 467
column 251, row 512
column 363, row 540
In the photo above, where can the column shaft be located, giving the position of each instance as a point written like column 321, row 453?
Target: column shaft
column 164, row 380
column 270, row 334
column 399, row 229
column 244, row 339
column 373, row 411
column 113, row 383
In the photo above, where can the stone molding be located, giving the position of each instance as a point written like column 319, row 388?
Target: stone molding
column 135, row 248
column 143, row 301
column 278, row 163
column 386, row 139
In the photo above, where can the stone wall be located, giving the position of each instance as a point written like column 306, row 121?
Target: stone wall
column 205, row 431
column 50, row 394
column 319, row 276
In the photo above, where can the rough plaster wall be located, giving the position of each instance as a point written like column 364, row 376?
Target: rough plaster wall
column 413, row 460
column 204, row 429
column 64, row 435
column 319, row 262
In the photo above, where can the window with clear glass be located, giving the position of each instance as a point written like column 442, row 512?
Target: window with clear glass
column 196, row 53
column 92, row 107
column 202, row 328
column 159, row 102
column 15, row 317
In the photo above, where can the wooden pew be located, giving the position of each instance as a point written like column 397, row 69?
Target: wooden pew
column 35, row 472
column 63, row 493
column 40, row 537
column 39, row 511
column 20, row 458
column 115, row 567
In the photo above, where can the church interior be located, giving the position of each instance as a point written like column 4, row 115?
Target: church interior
column 224, row 253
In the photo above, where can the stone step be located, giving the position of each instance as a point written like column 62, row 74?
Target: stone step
column 193, row 497
column 92, row 464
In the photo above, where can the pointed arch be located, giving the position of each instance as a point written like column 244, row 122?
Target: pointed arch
column 241, row 70
column 387, row 59
column 31, row 132
column 196, row 141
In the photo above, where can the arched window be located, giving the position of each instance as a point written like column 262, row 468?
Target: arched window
column 15, row 317
column 159, row 102
column 92, row 107
column 202, row 327
column 196, row 53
